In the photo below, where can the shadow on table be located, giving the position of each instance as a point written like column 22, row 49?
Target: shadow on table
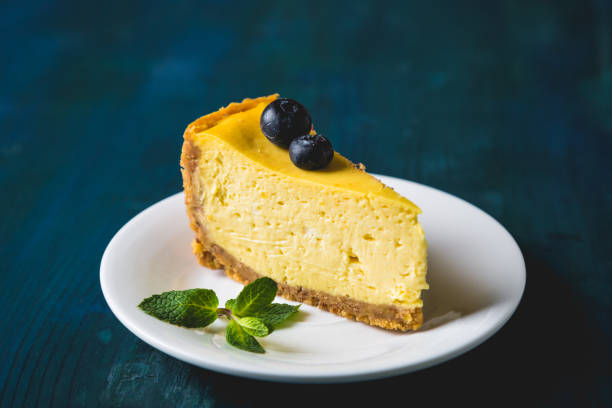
column 551, row 350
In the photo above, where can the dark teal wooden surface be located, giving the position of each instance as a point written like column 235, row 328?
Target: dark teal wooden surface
column 505, row 104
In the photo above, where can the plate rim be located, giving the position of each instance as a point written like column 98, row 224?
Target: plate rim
column 258, row 373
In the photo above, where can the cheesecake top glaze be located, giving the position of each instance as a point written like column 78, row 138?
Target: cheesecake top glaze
column 240, row 129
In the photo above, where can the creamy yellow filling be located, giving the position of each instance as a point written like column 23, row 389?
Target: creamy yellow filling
column 339, row 231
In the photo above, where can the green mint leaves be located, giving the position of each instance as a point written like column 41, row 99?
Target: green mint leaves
column 252, row 314
column 274, row 314
column 238, row 337
column 188, row 308
column 255, row 296
column 253, row 326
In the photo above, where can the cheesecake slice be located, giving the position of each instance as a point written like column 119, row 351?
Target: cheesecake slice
column 335, row 238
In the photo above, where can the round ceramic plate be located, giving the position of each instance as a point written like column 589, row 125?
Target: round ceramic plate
column 476, row 276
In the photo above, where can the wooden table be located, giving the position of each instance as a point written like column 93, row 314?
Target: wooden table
column 505, row 104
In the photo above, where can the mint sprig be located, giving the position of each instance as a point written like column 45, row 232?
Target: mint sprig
column 252, row 314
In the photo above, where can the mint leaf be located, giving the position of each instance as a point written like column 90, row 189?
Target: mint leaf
column 230, row 304
column 187, row 308
column 255, row 296
column 253, row 326
column 237, row 337
column 276, row 313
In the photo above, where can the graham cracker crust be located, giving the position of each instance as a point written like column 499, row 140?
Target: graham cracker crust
column 211, row 255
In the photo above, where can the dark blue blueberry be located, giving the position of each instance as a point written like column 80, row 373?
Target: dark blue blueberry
column 283, row 120
column 311, row 152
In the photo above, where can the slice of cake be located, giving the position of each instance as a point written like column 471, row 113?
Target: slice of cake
column 335, row 238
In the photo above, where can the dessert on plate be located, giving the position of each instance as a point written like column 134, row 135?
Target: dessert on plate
column 267, row 196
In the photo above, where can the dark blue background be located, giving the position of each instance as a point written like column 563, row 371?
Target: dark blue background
column 506, row 104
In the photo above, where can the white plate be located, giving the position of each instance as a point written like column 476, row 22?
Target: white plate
column 476, row 275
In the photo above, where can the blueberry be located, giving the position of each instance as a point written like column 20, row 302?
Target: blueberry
column 311, row 152
column 283, row 120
